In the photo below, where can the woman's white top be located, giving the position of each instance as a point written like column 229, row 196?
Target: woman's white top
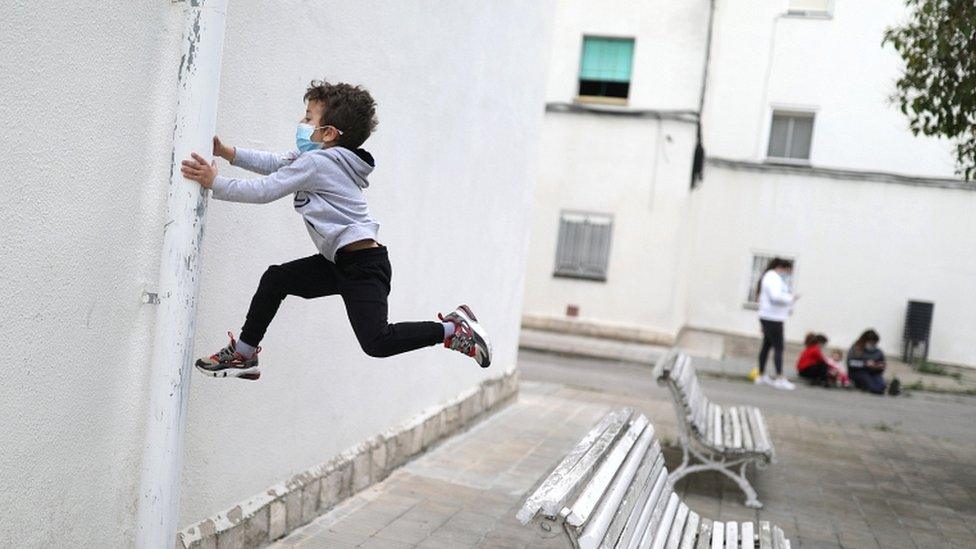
column 775, row 299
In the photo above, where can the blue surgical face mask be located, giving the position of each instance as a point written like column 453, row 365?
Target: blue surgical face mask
column 303, row 138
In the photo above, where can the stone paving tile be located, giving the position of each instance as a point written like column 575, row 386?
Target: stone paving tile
column 834, row 485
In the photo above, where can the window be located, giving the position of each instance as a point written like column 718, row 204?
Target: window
column 759, row 263
column 584, row 245
column 809, row 7
column 790, row 135
column 605, row 67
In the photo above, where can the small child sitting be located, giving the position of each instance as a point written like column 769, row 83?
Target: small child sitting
column 837, row 367
column 816, row 367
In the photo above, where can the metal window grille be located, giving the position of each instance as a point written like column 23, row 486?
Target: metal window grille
column 583, row 250
column 790, row 135
column 759, row 262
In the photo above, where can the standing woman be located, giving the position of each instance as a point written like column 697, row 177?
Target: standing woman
column 775, row 304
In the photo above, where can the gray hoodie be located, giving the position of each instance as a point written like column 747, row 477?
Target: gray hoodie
column 328, row 187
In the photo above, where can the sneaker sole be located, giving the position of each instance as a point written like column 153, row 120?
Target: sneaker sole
column 252, row 373
column 472, row 320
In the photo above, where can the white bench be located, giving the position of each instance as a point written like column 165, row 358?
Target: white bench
column 613, row 490
column 720, row 438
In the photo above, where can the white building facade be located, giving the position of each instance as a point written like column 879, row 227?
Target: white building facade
column 804, row 158
column 88, row 100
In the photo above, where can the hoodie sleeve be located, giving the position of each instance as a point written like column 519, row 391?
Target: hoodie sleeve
column 296, row 176
column 776, row 289
column 262, row 162
column 855, row 358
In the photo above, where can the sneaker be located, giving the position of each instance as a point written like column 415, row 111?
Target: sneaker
column 764, row 380
column 784, row 384
column 227, row 362
column 894, row 389
column 469, row 337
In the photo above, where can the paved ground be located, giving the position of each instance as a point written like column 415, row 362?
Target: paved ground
column 736, row 365
column 854, row 470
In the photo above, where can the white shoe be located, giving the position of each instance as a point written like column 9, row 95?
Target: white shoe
column 764, row 380
column 784, row 384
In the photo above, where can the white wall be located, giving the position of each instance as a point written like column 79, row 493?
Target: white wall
column 88, row 97
column 862, row 249
column 637, row 170
column 668, row 48
column 680, row 257
column 834, row 66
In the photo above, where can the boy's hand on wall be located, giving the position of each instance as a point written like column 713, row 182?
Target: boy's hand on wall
column 223, row 151
column 198, row 170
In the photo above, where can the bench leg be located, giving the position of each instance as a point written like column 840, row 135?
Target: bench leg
column 707, row 464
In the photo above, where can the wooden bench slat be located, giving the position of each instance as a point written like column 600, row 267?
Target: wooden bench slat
column 611, row 496
column 677, row 526
column 634, row 532
column 678, row 370
column 718, row 535
column 691, row 531
column 645, row 475
column 656, row 515
column 598, row 485
column 666, row 523
column 548, row 498
column 727, row 428
column 779, row 540
column 703, row 424
column 736, row 428
column 759, row 433
column 717, row 427
column 658, row 475
column 765, row 535
column 746, row 430
column 704, row 534
column 731, row 535
column 748, row 536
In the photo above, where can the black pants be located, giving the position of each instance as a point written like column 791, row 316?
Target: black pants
column 362, row 278
column 868, row 380
column 772, row 339
column 817, row 373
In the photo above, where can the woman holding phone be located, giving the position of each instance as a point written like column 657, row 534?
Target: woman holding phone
column 776, row 301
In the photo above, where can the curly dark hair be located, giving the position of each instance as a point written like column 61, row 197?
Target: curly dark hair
column 348, row 108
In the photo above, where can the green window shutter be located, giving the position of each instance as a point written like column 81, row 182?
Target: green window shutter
column 607, row 59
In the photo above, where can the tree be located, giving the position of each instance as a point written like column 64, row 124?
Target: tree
column 937, row 89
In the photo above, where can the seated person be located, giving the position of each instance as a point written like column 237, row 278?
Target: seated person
column 814, row 366
column 866, row 365
column 836, row 362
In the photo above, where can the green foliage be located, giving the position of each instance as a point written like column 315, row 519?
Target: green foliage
column 937, row 369
column 937, row 90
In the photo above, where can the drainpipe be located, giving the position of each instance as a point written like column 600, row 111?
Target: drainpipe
column 698, row 161
column 179, row 275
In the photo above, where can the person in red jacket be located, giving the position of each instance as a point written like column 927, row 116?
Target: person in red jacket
column 814, row 366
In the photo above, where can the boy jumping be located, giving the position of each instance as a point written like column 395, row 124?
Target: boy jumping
column 326, row 173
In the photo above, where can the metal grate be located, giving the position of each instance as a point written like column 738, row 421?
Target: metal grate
column 583, row 250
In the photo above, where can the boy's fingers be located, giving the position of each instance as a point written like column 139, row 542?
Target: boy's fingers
column 199, row 158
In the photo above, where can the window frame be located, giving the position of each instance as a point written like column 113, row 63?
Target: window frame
column 580, row 273
column 793, row 112
column 826, row 13
column 605, row 99
column 751, row 282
